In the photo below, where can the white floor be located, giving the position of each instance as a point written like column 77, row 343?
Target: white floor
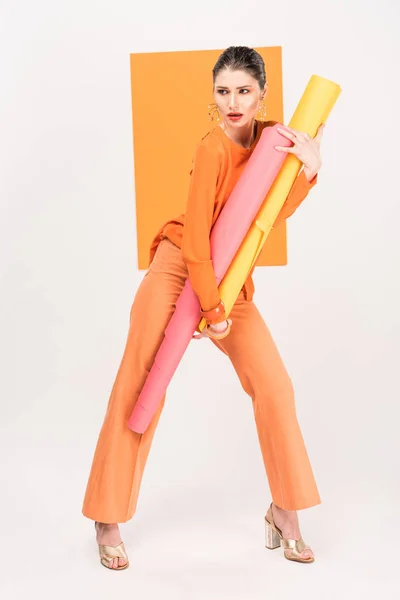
column 187, row 543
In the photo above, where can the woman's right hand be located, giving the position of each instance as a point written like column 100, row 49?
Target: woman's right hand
column 217, row 328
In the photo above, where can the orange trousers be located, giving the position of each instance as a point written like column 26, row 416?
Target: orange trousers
column 121, row 454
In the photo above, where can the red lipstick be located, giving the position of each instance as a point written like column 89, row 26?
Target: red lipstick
column 235, row 116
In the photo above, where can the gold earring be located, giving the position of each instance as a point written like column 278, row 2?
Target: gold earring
column 212, row 109
column 263, row 110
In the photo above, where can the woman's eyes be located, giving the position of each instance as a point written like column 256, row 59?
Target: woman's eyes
column 223, row 91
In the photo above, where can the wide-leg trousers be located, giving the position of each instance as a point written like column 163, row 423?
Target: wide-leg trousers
column 121, row 454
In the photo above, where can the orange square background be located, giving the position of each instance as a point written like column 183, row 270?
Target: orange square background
column 170, row 96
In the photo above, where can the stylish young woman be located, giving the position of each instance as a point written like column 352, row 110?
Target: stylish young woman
column 181, row 249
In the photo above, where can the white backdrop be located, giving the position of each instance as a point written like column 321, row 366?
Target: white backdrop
column 68, row 275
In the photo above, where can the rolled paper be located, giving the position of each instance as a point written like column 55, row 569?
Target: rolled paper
column 313, row 109
column 226, row 237
column 246, row 199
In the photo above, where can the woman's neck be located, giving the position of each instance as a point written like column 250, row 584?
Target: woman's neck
column 244, row 136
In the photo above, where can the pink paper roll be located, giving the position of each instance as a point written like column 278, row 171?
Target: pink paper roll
column 226, row 237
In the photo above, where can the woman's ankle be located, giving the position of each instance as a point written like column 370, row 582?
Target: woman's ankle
column 105, row 526
column 277, row 508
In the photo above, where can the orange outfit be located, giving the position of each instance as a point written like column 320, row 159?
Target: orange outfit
column 217, row 166
column 180, row 250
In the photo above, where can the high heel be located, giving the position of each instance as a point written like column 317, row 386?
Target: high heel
column 108, row 553
column 274, row 539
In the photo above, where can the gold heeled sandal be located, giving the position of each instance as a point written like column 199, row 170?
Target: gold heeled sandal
column 274, row 539
column 108, row 553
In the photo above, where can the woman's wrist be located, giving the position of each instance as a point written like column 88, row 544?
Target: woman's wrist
column 215, row 315
column 310, row 173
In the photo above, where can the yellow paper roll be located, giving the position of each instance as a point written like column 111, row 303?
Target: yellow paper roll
column 313, row 109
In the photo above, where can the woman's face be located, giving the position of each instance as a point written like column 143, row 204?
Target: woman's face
column 237, row 95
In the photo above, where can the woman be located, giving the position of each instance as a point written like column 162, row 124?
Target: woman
column 181, row 249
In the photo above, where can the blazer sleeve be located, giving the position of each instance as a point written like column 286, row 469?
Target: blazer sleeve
column 197, row 226
column 297, row 194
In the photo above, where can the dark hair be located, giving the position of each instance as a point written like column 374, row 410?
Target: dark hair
column 242, row 58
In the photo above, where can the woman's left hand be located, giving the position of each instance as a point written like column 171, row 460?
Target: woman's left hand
column 305, row 148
